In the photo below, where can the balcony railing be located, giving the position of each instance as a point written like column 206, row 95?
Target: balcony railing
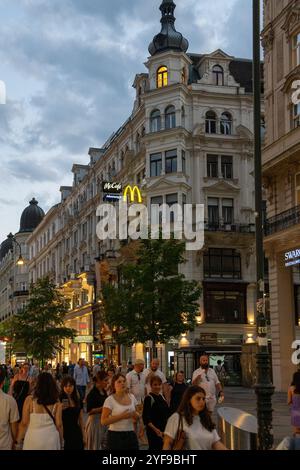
column 237, row 228
column 282, row 221
column 20, row 293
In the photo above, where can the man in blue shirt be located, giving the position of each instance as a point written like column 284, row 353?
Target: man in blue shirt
column 81, row 377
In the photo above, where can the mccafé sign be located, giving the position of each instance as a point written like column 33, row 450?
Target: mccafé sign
column 292, row 257
column 111, row 188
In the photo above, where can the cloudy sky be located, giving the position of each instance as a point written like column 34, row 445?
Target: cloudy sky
column 68, row 66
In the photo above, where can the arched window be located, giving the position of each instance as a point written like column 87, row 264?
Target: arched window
column 210, row 123
column 218, row 74
column 226, row 124
column 183, row 75
column 162, row 77
column 137, row 143
column 155, row 121
column 170, row 117
column 182, row 116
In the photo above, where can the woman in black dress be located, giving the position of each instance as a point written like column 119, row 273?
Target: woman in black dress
column 155, row 414
column 20, row 387
column 177, row 392
column 96, row 433
column 72, row 416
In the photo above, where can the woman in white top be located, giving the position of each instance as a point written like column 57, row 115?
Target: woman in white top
column 195, row 422
column 42, row 417
column 119, row 414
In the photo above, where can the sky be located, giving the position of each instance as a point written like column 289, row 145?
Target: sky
column 68, row 67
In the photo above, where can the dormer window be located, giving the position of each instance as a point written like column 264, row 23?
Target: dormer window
column 170, row 117
column 226, row 124
column 218, row 74
column 162, row 77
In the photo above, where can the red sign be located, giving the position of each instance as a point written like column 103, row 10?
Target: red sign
column 82, row 326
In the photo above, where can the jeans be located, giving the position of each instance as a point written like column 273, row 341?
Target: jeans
column 81, row 390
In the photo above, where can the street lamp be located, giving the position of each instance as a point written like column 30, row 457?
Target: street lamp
column 20, row 261
column 263, row 388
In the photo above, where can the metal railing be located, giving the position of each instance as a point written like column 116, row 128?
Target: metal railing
column 282, row 221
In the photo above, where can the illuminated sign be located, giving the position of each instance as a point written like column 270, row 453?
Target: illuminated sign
column 132, row 192
column 111, row 188
column 292, row 258
column 83, row 339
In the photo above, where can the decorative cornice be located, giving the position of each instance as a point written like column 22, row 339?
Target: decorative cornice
column 292, row 19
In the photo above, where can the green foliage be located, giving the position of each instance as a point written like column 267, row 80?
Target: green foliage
column 39, row 327
column 152, row 301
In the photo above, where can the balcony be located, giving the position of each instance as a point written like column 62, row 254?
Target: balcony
column 236, row 228
column 282, row 221
column 20, row 293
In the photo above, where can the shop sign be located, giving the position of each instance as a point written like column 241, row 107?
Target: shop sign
column 292, row 258
column 83, row 339
column 111, row 188
column 208, row 338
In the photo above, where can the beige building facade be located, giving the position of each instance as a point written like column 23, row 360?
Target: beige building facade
column 281, row 178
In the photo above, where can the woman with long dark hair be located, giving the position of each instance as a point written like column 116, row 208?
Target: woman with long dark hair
column 72, row 415
column 294, row 401
column 119, row 414
column 96, row 433
column 42, row 417
column 194, row 419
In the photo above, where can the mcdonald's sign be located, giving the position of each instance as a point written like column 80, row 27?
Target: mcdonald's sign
column 132, row 192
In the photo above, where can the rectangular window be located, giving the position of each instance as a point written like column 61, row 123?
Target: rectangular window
column 171, row 199
column 213, row 211
column 156, row 200
column 212, row 166
column 297, row 189
column 226, row 167
column 155, row 164
column 171, row 161
column 84, row 231
column 183, row 161
column 223, row 305
column 222, row 263
column 296, row 115
column 227, row 211
column 296, row 49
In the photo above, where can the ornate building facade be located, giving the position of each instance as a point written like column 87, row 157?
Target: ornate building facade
column 281, row 171
column 188, row 139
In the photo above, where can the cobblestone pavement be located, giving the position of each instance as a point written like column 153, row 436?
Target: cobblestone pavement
column 245, row 400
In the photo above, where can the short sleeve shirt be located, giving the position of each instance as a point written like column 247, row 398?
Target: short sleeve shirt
column 8, row 414
column 198, row 438
column 136, row 384
column 207, row 379
column 159, row 373
column 116, row 409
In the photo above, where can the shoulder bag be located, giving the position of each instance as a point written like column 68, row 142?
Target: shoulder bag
column 179, row 441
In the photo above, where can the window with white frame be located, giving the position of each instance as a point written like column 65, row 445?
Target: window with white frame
column 155, row 121
column 296, row 49
column 296, row 115
column 212, row 166
column 210, row 122
column 226, row 124
column 297, row 189
column 226, row 166
column 218, row 75
column 183, row 161
column 227, row 211
column 170, row 117
column 171, row 161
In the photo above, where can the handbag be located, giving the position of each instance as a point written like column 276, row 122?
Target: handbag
column 179, row 441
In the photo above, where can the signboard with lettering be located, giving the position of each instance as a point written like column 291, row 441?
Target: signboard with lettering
column 83, row 339
column 111, row 188
column 292, row 258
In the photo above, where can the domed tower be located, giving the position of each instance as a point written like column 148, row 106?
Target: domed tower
column 5, row 247
column 31, row 217
column 169, row 64
column 168, row 38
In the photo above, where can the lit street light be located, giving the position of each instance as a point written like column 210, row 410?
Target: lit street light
column 263, row 388
column 20, row 261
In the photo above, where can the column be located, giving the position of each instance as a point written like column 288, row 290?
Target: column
column 282, row 321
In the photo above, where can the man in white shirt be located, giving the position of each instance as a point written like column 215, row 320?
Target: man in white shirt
column 9, row 416
column 136, row 380
column 207, row 379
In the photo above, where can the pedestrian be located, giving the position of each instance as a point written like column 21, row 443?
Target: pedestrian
column 42, row 417
column 96, row 368
column 123, row 369
column 20, row 386
column 119, row 414
column 129, row 367
column 110, row 373
column 72, row 415
column 194, row 419
column 81, row 378
column 221, row 373
column 206, row 378
column 178, row 389
column 9, row 417
column 155, row 414
column 154, row 369
column 136, row 381
column 96, row 433
column 294, row 402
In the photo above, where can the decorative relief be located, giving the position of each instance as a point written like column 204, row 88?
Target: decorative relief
column 292, row 19
column 267, row 40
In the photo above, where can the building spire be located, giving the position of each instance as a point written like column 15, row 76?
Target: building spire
column 168, row 38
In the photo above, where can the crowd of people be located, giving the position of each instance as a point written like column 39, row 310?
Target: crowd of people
column 74, row 407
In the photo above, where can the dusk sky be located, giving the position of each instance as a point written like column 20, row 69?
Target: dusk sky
column 68, row 66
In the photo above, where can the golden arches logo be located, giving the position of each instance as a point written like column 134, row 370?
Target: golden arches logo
column 132, row 191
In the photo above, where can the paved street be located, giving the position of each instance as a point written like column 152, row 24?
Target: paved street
column 245, row 400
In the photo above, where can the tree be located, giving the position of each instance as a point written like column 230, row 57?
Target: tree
column 152, row 301
column 39, row 326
